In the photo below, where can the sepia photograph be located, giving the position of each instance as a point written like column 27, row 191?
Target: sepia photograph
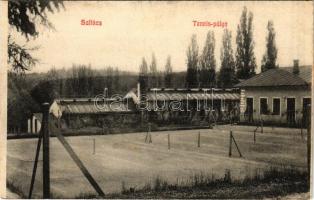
column 158, row 99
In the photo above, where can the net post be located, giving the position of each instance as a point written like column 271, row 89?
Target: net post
column 309, row 142
column 230, row 144
column 46, row 161
column 199, row 139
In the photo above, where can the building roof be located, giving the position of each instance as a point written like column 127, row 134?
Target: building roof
column 273, row 77
column 178, row 96
column 38, row 116
column 305, row 72
column 88, row 106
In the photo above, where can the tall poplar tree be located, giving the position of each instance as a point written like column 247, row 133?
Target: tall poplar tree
column 168, row 73
column 270, row 56
column 153, row 74
column 143, row 75
column 207, row 73
column 192, row 60
column 227, row 75
column 245, row 58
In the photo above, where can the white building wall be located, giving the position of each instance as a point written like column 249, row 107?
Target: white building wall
column 270, row 93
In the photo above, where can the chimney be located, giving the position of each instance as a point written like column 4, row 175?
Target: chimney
column 296, row 69
column 106, row 92
column 138, row 90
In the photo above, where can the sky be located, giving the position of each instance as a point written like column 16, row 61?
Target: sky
column 133, row 30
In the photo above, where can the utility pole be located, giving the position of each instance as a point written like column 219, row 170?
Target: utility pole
column 46, row 164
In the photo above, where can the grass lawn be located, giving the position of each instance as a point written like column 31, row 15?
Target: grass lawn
column 125, row 159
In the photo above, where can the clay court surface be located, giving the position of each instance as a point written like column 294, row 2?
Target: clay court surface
column 127, row 158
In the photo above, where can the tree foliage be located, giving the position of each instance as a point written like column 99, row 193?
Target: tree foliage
column 143, row 67
column 153, row 73
column 270, row 56
column 24, row 16
column 168, row 73
column 192, row 62
column 227, row 75
column 245, row 58
column 143, row 75
column 20, row 103
column 19, row 56
column 43, row 92
column 207, row 62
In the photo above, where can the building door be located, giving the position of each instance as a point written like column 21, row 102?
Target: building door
column 291, row 111
column 249, row 109
column 306, row 102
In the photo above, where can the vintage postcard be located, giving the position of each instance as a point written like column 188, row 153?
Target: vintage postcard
column 156, row 100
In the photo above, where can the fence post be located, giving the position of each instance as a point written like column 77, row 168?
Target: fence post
column 301, row 124
column 146, row 137
column 309, row 142
column 254, row 137
column 199, row 139
column 262, row 126
column 236, row 146
column 31, row 124
column 46, row 164
column 35, row 165
column 150, row 134
column 230, row 144
column 94, row 146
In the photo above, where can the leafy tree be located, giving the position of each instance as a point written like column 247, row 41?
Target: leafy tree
column 143, row 75
column 153, row 74
column 19, row 57
column 116, row 84
column 208, row 62
column 20, row 104
column 192, row 60
column 24, row 15
column 43, row 92
column 109, row 79
column 227, row 75
column 168, row 73
column 81, row 81
column 160, row 78
column 245, row 58
column 270, row 56
column 143, row 67
column 53, row 74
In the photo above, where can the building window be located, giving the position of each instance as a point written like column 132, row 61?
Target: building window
column 263, row 106
column 276, row 106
